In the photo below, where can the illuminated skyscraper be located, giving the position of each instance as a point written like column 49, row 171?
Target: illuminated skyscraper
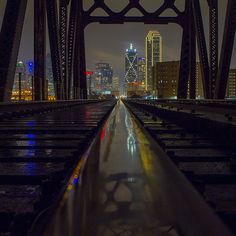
column 20, row 72
column 153, row 55
column 49, row 76
column 103, row 77
column 141, row 69
column 131, row 65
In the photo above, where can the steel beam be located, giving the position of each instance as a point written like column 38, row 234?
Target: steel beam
column 185, row 55
column 39, row 50
column 192, row 72
column 79, row 81
column 71, row 43
column 213, row 22
column 203, row 56
column 63, row 45
column 226, row 50
column 122, row 17
column 52, row 17
column 9, row 45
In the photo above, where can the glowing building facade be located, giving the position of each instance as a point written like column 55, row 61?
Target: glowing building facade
column 131, row 65
column 141, row 69
column 103, row 78
column 153, row 45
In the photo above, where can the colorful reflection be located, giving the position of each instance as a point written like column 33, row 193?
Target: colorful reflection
column 131, row 143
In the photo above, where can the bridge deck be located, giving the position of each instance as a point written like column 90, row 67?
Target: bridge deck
column 135, row 190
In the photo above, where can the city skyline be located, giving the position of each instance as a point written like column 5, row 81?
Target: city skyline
column 106, row 46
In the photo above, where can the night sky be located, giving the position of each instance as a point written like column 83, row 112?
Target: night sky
column 107, row 43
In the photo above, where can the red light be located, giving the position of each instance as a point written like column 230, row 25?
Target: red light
column 88, row 72
column 102, row 134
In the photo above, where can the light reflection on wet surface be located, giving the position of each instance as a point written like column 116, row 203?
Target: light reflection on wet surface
column 124, row 204
column 130, row 187
column 115, row 196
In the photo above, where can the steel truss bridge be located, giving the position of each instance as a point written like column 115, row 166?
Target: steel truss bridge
column 66, row 25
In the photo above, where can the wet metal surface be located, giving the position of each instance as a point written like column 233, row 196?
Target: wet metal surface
column 125, row 204
column 38, row 153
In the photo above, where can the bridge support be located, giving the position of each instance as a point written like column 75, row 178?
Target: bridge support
column 63, row 45
column 39, row 50
column 52, row 16
column 192, row 72
column 203, row 56
column 9, row 45
column 213, row 45
column 184, row 64
column 79, row 81
column 226, row 50
column 187, row 72
column 71, row 44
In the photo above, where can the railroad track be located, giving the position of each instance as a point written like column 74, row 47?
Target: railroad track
column 224, row 107
column 40, row 147
column 202, row 149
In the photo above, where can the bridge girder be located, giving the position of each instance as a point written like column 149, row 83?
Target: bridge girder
column 226, row 50
column 213, row 45
column 10, row 37
column 39, row 85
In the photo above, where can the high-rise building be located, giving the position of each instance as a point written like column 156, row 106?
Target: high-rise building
column 231, row 86
column 166, row 75
column 131, row 65
column 141, row 69
column 153, row 46
column 116, row 85
column 115, row 82
column 103, row 77
column 49, row 77
column 199, row 84
column 22, row 87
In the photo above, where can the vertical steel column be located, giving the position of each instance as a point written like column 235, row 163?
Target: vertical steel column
column 63, row 44
column 80, row 83
column 52, row 17
column 185, row 55
column 39, row 49
column 83, row 79
column 9, row 45
column 213, row 22
column 201, row 47
column 71, row 42
column 192, row 73
column 226, row 50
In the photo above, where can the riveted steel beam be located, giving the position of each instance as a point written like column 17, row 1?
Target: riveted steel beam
column 226, row 50
column 203, row 56
column 39, row 50
column 9, row 45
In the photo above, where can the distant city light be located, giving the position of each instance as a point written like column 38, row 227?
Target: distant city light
column 88, row 72
column 30, row 67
